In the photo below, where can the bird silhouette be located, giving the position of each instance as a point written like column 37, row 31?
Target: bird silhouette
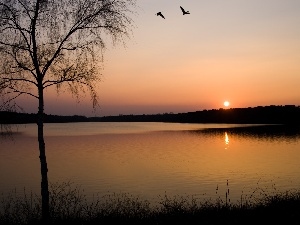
column 160, row 14
column 183, row 11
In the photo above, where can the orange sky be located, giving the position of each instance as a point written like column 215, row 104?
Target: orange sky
column 246, row 52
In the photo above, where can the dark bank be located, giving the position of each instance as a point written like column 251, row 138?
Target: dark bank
column 287, row 114
column 68, row 205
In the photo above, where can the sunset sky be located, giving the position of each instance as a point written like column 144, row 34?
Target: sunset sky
column 244, row 51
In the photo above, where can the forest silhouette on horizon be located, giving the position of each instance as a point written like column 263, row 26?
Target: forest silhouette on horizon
column 287, row 114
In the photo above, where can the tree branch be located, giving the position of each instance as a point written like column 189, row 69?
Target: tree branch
column 23, row 92
column 26, row 9
column 18, row 79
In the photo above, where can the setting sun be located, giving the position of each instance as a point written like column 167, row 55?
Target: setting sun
column 226, row 103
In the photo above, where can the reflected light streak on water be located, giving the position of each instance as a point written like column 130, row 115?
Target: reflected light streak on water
column 226, row 140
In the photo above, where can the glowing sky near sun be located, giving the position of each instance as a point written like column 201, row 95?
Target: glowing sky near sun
column 241, row 51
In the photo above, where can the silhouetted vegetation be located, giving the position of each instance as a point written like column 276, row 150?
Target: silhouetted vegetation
column 288, row 114
column 21, row 118
column 69, row 205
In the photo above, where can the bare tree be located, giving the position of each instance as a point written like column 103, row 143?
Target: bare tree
column 46, row 43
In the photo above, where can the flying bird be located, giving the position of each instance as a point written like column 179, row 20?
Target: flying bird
column 160, row 14
column 183, row 11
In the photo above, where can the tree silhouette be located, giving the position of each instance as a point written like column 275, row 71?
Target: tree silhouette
column 46, row 43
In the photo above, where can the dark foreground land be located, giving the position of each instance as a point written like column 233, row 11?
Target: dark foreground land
column 288, row 114
column 69, row 206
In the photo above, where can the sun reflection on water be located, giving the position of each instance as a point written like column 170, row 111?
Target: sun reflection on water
column 226, row 140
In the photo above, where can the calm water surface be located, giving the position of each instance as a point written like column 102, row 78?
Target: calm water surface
column 151, row 159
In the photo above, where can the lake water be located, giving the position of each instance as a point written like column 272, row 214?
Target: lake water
column 153, row 159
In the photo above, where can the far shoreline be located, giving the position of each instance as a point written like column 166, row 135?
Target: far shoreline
column 287, row 115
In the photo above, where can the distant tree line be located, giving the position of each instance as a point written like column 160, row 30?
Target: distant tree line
column 7, row 117
column 288, row 114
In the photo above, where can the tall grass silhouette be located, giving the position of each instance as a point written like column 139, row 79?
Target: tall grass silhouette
column 69, row 205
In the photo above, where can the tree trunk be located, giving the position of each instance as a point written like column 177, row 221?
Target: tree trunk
column 43, row 160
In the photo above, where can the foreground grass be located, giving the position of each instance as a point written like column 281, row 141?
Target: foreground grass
column 69, row 206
